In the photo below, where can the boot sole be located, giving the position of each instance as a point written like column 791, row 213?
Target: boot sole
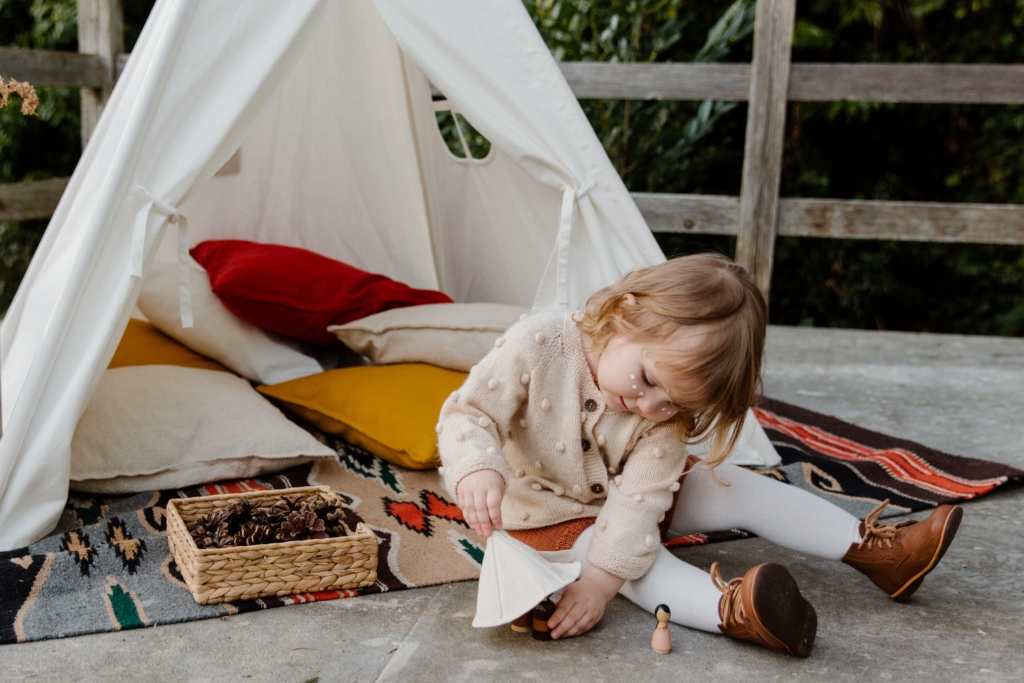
column 949, row 530
column 778, row 612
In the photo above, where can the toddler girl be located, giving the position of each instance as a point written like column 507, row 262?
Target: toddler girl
column 570, row 434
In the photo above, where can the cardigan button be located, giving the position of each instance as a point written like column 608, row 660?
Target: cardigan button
column 577, row 508
column 590, row 404
column 586, row 445
column 596, row 488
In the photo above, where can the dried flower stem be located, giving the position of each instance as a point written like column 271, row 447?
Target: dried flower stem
column 24, row 89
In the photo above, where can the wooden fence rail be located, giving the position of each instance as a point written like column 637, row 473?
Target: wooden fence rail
column 755, row 217
column 52, row 67
column 840, row 218
column 901, row 83
column 898, row 83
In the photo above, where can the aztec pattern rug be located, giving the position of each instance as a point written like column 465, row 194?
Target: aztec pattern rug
column 107, row 566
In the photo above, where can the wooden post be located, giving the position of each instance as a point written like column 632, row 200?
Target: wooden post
column 762, row 154
column 100, row 32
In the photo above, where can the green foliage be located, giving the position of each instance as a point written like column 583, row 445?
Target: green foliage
column 656, row 146
column 950, row 153
column 459, row 135
column 892, row 285
column 939, row 153
column 41, row 146
column 48, row 144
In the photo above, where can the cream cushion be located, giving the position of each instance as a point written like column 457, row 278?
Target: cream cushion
column 218, row 333
column 453, row 336
column 155, row 427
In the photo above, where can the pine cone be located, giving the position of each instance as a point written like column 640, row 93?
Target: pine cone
column 315, row 525
column 241, row 510
column 317, row 506
column 220, row 541
column 219, row 515
column 292, row 527
column 254, row 534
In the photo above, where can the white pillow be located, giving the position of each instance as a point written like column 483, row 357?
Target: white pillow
column 153, row 427
column 218, row 333
column 453, row 336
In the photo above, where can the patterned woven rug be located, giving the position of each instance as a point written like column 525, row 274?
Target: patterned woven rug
column 107, row 566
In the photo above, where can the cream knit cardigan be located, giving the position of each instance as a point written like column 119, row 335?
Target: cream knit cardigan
column 531, row 412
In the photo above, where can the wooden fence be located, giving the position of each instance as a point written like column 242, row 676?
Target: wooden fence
column 756, row 217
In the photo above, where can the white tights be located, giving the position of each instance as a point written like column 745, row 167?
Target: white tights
column 780, row 513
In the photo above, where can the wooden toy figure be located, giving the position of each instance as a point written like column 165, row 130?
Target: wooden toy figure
column 661, row 641
column 523, row 624
column 541, row 614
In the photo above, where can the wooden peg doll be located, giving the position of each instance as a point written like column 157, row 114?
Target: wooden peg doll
column 523, row 624
column 661, row 641
column 541, row 613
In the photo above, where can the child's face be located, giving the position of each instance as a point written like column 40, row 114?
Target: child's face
column 629, row 376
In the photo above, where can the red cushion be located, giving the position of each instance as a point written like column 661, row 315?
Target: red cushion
column 297, row 293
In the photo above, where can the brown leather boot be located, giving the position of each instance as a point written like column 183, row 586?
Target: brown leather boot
column 765, row 607
column 896, row 558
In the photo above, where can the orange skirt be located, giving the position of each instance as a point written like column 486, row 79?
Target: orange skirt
column 563, row 535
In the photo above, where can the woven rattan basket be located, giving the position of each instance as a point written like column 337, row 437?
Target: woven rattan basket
column 246, row 572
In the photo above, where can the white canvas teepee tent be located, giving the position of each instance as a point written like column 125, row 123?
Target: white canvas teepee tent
column 331, row 108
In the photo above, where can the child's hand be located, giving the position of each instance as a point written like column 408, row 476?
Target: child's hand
column 480, row 497
column 582, row 604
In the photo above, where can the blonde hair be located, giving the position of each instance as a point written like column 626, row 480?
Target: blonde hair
column 706, row 290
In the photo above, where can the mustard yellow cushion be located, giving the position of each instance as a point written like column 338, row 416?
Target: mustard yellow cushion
column 143, row 344
column 389, row 410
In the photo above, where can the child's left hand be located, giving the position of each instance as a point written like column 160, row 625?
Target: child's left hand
column 582, row 604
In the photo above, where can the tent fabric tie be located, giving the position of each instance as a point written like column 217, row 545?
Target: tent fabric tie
column 569, row 198
column 174, row 217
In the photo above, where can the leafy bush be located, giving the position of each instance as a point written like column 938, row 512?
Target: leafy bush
column 48, row 144
column 944, row 153
column 845, row 150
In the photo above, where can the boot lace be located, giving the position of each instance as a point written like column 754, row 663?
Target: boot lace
column 874, row 532
column 731, row 607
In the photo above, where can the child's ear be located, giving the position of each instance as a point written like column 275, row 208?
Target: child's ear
column 627, row 306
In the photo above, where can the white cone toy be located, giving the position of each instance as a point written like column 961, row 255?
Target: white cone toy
column 515, row 577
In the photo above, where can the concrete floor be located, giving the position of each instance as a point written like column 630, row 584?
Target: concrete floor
column 964, row 395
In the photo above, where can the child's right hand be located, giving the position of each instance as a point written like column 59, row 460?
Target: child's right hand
column 480, row 495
